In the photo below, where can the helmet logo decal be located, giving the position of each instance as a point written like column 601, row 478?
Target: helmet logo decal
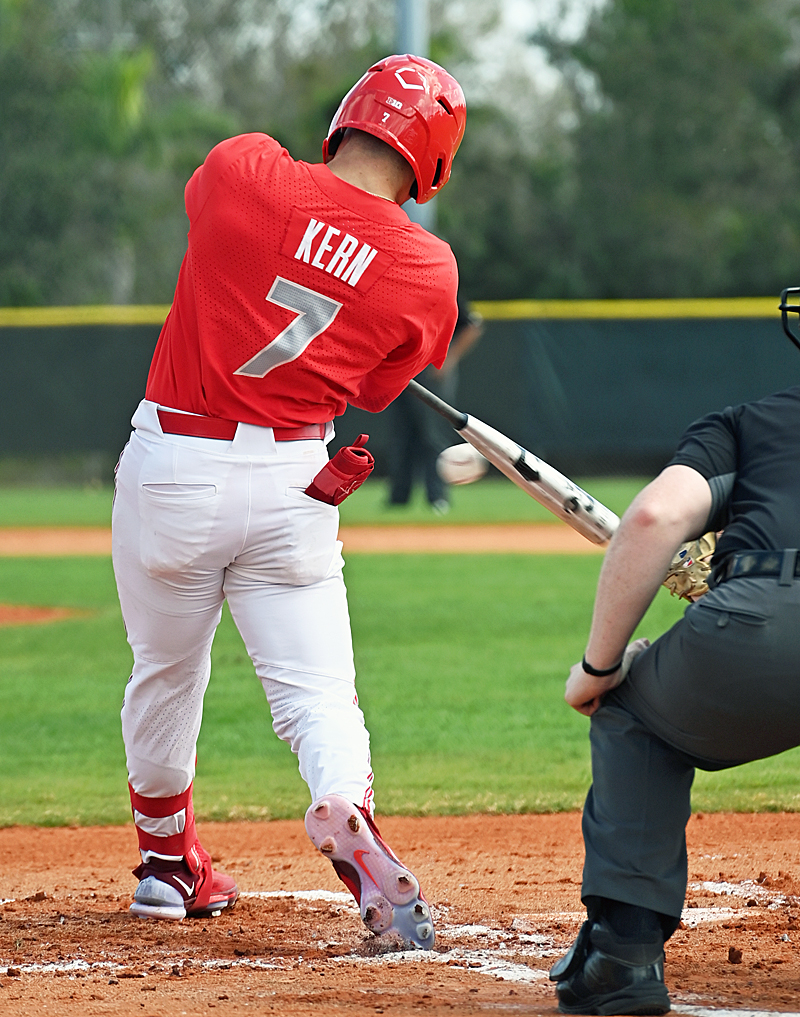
column 391, row 101
column 409, row 84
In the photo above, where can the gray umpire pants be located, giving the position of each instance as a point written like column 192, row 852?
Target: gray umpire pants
column 720, row 688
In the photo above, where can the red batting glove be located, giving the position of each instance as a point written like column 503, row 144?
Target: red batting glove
column 345, row 473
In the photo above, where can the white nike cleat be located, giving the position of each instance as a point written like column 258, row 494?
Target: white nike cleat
column 170, row 889
column 387, row 893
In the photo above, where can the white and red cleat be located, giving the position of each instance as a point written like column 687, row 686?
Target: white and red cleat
column 171, row 889
column 387, row 893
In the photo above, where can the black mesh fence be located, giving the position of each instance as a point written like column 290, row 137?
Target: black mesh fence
column 592, row 397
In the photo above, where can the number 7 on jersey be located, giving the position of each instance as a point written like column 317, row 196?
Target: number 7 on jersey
column 315, row 313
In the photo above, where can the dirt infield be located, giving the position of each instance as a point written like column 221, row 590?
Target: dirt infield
column 511, row 538
column 505, row 894
column 21, row 614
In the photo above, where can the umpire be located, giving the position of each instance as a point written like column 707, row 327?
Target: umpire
column 720, row 688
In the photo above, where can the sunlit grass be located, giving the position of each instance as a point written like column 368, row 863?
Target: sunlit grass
column 461, row 664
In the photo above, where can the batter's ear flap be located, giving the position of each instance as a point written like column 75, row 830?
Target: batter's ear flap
column 785, row 307
column 330, row 145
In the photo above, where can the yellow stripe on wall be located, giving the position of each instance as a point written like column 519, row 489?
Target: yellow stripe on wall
column 492, row 310
column 90, row 314
column 733, row 307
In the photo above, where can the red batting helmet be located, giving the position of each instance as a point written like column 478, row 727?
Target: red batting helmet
column 415, row 106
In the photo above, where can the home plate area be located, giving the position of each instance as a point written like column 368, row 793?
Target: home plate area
column 505, row 893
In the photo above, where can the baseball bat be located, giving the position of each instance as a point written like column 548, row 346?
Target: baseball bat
column 533, row 475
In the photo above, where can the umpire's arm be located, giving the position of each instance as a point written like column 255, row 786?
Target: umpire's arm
column 672, row 509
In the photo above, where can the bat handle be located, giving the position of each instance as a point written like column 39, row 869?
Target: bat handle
column 450, row 414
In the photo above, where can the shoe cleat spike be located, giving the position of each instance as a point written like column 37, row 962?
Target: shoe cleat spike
column 323, row 810
column 407, row 885
column 378, row 917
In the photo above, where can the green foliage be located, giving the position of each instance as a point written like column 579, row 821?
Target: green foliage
column 34, row 140
column 507, row 210
column 90, row 173
column 665, row 164
column 114, row 83
column 299, row 111
column 685, row 164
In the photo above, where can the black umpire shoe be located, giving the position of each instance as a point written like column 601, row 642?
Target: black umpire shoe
column 605, row 974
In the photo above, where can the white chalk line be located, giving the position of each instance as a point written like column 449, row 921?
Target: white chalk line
column 329, row 896
column 699, row 1011
column 749, row 888
column 491, row 960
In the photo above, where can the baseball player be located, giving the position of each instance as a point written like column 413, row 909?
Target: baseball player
column 720, row 688
column 304, row 288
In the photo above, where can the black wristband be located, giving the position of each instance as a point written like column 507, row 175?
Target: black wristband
column 597, row 673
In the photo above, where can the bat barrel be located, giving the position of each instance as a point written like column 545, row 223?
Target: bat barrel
column 543, row 483
column 537, row 478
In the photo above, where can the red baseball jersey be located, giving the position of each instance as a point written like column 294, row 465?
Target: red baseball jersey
column 299, row 293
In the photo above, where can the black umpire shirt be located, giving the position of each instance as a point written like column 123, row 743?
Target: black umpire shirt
column 750, row 456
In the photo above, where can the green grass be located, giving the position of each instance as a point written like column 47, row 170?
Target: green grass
column 55, row 506
column 461, row 662
column 61, row 686
column 489, row 500
column 492, row 500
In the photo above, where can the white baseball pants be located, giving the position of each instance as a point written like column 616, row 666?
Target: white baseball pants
column 200, row 520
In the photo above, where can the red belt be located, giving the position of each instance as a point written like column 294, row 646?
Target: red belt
column 216, row 427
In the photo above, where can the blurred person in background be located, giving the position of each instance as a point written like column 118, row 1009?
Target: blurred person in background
column 417, row 435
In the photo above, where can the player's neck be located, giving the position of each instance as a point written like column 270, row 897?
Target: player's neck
column 375, row 176
column 375, row 184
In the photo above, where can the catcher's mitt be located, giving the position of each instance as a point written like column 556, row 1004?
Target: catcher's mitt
column 689, row 569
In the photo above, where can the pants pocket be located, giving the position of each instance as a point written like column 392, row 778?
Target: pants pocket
column 315, row 553
column 703, row 618
column 176, row 524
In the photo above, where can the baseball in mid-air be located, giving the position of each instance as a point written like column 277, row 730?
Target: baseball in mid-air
column 461, row 464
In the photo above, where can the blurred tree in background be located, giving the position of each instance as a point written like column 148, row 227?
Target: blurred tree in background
column 91, row 172
column 685, row 173
column 663, row 163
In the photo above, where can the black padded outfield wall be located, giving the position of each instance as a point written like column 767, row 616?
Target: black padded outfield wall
column 615, row 396
column 590, row 392
column 71, row 388
column 606, row 395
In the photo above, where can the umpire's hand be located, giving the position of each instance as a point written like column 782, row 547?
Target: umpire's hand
column 584, row 692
